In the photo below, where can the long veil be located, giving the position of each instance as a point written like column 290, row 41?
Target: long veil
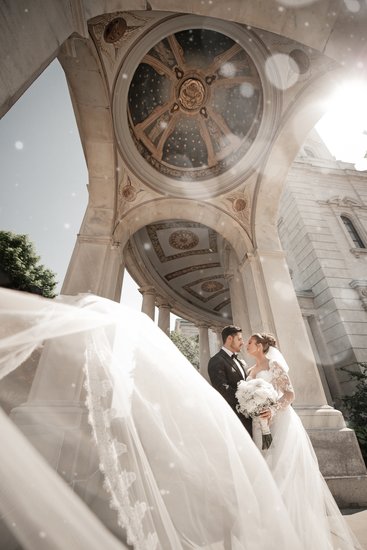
column 178, row 469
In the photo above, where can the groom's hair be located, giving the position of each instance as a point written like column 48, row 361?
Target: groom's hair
column 229, row 330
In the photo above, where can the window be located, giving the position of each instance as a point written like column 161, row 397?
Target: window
column 358, row 243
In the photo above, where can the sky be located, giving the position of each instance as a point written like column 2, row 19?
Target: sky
column 43, row 190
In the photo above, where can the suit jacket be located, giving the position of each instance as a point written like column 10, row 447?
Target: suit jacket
column 224, row 375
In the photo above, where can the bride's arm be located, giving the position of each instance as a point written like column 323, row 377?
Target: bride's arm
column 283, row 385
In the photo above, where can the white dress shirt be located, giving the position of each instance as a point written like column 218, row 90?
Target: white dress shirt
column 238, row 363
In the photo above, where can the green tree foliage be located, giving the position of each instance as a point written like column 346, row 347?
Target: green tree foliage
column 356, row 406
column 20, row 268
column 189, row 347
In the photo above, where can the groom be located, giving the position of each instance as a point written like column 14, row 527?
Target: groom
column 225, row 369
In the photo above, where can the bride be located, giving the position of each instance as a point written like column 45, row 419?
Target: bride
column 291, row 458
column 179, row 470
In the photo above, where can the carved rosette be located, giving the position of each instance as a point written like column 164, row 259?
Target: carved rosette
column 211, row 286
column 240, row 208
column 183, row 239
column 111, row 30
column 127, row 193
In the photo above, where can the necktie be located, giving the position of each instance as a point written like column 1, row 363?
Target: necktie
column 234, row 355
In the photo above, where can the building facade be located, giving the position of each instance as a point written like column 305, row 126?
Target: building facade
column 323, row 229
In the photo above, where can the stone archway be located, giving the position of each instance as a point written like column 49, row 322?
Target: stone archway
column 97, row 264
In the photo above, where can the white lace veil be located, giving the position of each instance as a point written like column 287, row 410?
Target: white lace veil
column 174, row 465
column 274, row 355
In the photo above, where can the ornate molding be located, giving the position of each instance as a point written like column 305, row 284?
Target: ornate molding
column 357, row 252
column 241, row 207
column 158, row 131
column 343, row 202
column 360, row 285
column 112, row 30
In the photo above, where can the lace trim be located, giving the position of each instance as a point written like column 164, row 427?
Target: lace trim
column 283, row 385
column 117, row 481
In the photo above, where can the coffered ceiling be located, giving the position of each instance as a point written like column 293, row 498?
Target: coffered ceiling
column 184, row 259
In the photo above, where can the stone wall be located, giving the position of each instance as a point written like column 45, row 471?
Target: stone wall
column 328, row 269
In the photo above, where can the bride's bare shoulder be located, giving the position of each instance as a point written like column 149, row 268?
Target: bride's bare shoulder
column 249, row 372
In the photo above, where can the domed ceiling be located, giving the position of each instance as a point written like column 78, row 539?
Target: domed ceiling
column 191, row 112
column 195, row 104
column 185, row 259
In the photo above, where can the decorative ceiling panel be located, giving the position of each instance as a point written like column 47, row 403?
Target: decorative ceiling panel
column 195, row 104
column 184, row 258
column 173, row 240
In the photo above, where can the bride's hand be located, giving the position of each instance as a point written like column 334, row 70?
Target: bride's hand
column 266, row 414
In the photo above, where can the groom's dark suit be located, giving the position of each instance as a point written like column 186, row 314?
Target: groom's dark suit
column 224, row 375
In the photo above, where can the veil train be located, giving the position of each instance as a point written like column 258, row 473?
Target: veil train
column 179, row 470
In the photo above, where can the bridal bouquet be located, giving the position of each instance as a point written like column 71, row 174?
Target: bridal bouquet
column 253, row 397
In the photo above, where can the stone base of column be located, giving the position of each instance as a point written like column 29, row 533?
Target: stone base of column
column 337, row 450
column 320, row 417
column 61, row 434
column 349, row 491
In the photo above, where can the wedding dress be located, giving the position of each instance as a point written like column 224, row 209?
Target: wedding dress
column 179, row 468
column 294, row 466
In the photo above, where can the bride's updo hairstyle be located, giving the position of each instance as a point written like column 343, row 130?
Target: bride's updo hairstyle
column 265, row 339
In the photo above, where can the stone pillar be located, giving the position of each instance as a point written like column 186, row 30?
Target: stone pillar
column 204, row 353
column 113, row 274
column 274, row 304
column 323, row 360
column 274, row 308
column 239, row 303
column 218, row 333
column 281, row 309
column 148, row 305
column 164, row 316
column 55, row 420
column 96, row 266
column 253, row 285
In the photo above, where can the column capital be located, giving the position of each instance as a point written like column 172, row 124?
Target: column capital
column 228, row 275
column 163, row 302
column 257, row 254
column 147, row 289
column 216, row 328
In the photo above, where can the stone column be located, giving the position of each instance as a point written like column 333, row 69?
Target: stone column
column 110, row 285
column 218, row 333
column 55, row 420
column 254, row 290
column 267, row 281
column 204, row 353
column 277, row 311
column 96, row 266
column 164, row 315
column 239, row 303
column 324, row 363
column 148, row 305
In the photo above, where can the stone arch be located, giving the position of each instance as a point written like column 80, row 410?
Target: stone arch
column 91, row 102
column 176, row 209
column 208, row 214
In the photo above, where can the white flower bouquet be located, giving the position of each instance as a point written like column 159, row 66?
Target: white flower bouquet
column 254, row 396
